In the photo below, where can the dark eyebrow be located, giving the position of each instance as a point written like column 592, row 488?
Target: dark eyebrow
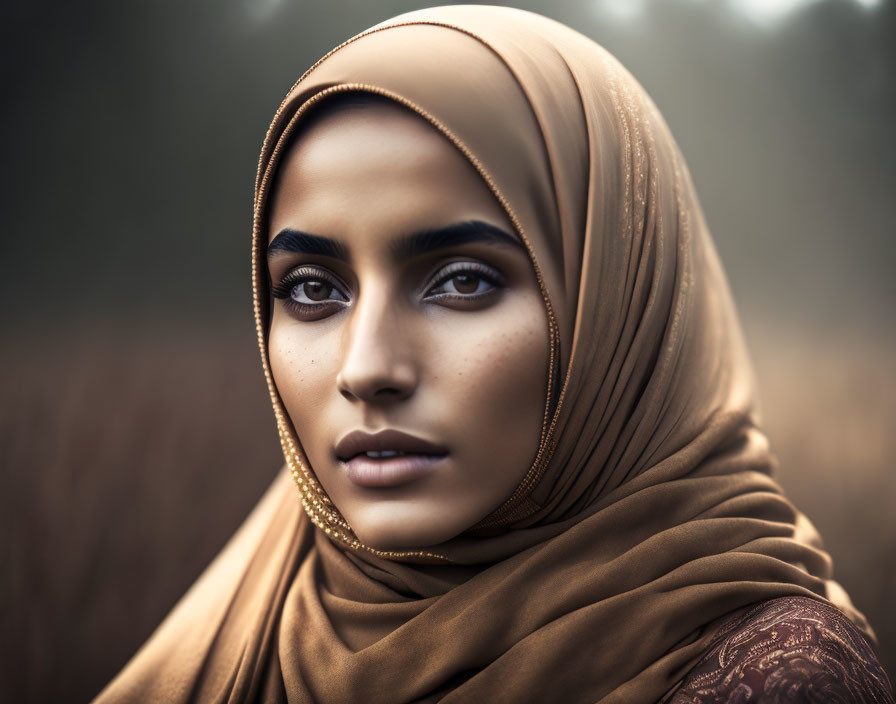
column 288, row 240
column 407, row 247
column 456, row 235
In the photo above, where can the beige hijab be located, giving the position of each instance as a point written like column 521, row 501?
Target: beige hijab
column 649, row 512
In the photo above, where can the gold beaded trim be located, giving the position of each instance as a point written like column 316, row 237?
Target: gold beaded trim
column 316, row 503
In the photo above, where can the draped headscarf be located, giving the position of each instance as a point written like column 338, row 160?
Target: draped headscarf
column 649, row 512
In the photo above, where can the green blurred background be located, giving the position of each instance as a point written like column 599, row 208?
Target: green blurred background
column 136, row 432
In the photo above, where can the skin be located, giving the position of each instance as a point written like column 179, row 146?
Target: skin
column 389, row 343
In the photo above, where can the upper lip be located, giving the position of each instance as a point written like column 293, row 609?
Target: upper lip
column 358, row 441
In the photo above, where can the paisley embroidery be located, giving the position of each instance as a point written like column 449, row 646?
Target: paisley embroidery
column 791, row 649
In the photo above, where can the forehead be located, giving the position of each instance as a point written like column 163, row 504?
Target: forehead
column 376, row 168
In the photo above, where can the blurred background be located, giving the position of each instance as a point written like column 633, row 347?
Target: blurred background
column 136, row 431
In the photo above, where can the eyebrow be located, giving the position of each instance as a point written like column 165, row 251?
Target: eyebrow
column 289, row 240
column 407, row 247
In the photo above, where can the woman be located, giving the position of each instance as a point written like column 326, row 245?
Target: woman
column 512, row 393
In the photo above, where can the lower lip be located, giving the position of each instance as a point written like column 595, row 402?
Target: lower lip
column 392, row 471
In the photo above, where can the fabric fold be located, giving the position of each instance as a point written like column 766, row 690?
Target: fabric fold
column 650, row 512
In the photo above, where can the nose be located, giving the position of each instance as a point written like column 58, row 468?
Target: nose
column 377, row 363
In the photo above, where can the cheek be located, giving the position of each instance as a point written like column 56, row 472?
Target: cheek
column 302, row 364
column 496, row 381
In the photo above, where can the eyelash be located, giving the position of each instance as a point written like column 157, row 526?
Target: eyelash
column 303, row 274
column 483, row 272
column 284, row 288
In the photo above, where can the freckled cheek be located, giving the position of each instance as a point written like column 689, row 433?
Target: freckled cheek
column 495, row 375
column 303, row 367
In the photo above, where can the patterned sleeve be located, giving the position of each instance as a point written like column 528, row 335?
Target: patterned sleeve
column 791, row 649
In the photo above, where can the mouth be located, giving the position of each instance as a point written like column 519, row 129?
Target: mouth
column 387, row 458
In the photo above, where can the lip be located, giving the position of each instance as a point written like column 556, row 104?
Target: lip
column 420, row 457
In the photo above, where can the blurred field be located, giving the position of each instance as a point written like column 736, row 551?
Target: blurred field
column 129, row 457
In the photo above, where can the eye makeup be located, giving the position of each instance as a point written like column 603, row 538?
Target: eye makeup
column 464, row 282
column 313, row 292
column 310, row 292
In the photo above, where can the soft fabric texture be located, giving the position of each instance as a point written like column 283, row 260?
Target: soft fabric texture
column 649, row 513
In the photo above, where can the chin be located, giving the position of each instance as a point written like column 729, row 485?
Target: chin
column 399, row 531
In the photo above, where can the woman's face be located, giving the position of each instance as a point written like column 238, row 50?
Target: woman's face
column 409, row 339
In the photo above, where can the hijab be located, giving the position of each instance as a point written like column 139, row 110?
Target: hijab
column 650, row 511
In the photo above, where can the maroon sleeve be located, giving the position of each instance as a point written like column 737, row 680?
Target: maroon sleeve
column 791, row 649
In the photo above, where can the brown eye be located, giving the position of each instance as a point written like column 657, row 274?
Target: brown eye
column 309, row 287
column 466, row 282
column 313, row 290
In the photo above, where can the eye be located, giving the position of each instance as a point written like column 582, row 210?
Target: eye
column 310, row 292
column 465, row 281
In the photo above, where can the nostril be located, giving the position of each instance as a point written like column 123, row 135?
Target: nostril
column 382, row 394
column 371, row 383
column 346, row 394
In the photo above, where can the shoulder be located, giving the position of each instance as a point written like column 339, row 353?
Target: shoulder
column 791, row 649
